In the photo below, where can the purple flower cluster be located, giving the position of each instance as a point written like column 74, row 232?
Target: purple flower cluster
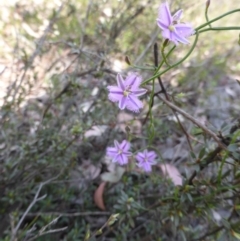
column 128, row 91
column 171, row 27
column 120, row 154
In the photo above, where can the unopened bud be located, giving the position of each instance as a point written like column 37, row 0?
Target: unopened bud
column 113, row 218
column 208, row 3
column 87, row 235
column 127, row 60
column 127, row 129
column 99, row 231
column 165, row 43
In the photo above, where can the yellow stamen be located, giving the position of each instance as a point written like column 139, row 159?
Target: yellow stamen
column 171, row 28
column 126, row 93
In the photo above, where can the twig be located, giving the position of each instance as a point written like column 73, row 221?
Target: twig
column 196, row 122
column 64, row 90
column 211, row 156
column 76, row 214
column 39, row 44
column 35, row 200
column 47, row 232
column 167, row 97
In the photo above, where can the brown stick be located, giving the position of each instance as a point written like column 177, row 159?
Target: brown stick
column 196, row 122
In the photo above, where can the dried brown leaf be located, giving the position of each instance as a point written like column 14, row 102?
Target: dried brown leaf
column 98, row 196
column 172, row 172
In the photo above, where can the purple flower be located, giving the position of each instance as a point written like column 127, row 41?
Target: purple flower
column 127, row 92
column 172, row 29
column 146, row 160
column 119, row 152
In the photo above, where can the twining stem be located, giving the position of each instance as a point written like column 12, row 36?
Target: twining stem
column 163, row 90
column 166, row 56
column 194, row 44
column 215, row 19
column 206, row 12
column 142, row 67
column 174, row 65
column 162, row 52
column 219, row 29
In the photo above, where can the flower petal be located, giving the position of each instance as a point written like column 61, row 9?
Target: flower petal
column 184, row 29
column 161, row 24
column 122, row 103
column 120, row 82
column 133, row 80
column 164, row 13
column 114, row 89
column 151, row 155
column 134, row 104
column 139, row 92
column 114, row 97
column 147, row 167
column 179, row 38
column 116, row 158
column 125, row 145
column 140, row 157
column 177, row 15
column 115, row 94
column 111, row 151
column 166, row 34
column 122, row 160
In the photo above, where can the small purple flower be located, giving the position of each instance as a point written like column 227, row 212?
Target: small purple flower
column 146, row 160
column 127, row 92
column 172, row 29
column 119, row 152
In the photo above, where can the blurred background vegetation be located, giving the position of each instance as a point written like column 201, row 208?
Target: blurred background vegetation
column 56, row 60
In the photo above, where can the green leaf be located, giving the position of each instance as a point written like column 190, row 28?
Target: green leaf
column 202, row 153
column 225, row 223
column 233, row 147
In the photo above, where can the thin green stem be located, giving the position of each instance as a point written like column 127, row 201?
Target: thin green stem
column 219, row 29
column 143, row 67
column 166, row 56
column 206, row 15
column 174, row 65
column 215, row 19
column 151, row 125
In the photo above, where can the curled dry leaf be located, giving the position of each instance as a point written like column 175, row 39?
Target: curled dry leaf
column 98, row 196
column 172, row 172
column 113, row 176
column 95, row 131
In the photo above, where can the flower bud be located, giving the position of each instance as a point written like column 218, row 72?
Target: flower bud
column 208, row 4
column 127, row 60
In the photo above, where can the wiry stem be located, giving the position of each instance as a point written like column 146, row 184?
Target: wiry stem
column 196, row 122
